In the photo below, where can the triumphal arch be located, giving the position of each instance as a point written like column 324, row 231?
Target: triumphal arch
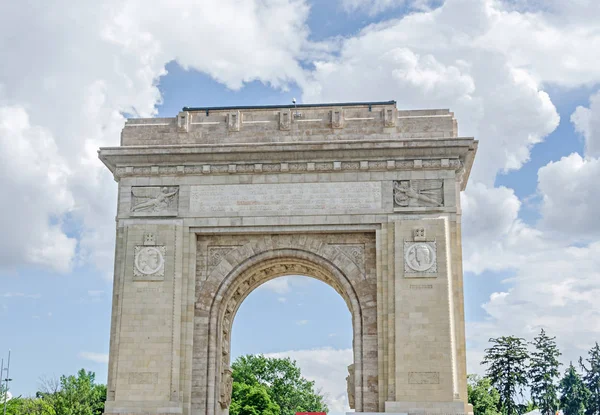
column 216, row 201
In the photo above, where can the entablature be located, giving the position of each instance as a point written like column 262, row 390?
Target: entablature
column 452, row 154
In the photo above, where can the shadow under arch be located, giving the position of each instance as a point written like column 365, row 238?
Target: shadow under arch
column 245, row 278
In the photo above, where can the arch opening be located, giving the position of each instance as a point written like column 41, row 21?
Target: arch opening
column 251, row 274
column 304, row 319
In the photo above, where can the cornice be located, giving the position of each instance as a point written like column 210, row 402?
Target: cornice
column 267, row 158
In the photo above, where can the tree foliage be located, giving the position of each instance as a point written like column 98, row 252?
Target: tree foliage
column 283, row 382
column 251, row 400
column 70, row 395
column 591, row 379
column 574, row 394
column 543, row 373
column 507, row 370
column 483, row 396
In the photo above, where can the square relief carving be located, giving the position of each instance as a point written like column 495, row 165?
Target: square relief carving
column 149, row 263
column 419, row 193
column 154, row 200
column 420, row 259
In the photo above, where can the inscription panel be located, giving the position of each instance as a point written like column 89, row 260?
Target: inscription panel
column 143, row 378
column 424, row 378
column 285, row 198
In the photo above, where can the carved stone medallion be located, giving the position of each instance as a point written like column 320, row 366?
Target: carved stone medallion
column 149, row 261
column 420, row 257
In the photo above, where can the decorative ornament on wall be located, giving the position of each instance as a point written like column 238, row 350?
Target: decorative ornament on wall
column 418, row 193
column 149, row 262
column 356, row 254
column 154, row 200
column 420, row 257
column 226, row 388
column 216, row 254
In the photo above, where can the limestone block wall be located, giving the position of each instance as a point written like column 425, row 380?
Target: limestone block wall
column 198, row 126
column 146, row 329
column 214, row 202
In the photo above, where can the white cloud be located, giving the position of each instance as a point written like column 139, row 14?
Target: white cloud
column 374, row 7
column 570, row 197
column 284, row 285
column 328, row 368
column 22, row 295
column 437, row 59
column 279, row 285
column 302, row 322
column 98, row 61
column 587, row 122
column 94, row 357
column 36, row 192
column 555, row 289
column 282, row 299
column 490, row 66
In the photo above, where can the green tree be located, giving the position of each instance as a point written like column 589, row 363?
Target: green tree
column 507, row 370
column 80, row 395
column 574, row 394
column 69, row 395
column 251, row 400
column 591, row 379
column 283, row 381
column 543, row 373
column 32, row 406
column 482, row 395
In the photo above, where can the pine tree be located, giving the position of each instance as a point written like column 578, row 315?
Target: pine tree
column 574, row 394
column 591, row 379
column 543, row 373
column 507, row 370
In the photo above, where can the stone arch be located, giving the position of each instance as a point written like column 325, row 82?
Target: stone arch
column 243, row 268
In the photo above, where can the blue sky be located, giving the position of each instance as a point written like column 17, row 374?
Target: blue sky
column 512, row 79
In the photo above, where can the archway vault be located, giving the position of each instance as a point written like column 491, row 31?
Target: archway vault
column 236, row 271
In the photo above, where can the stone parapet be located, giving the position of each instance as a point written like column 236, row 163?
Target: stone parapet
column 280, row 124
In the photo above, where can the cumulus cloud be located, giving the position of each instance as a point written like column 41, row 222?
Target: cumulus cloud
column 490, row 67
column 437, row 59
column 284, row 285
column 374, row 7
column 570, row 197
column 35, row 196
column 571, row 183
column 555, row 289
column 98, row 62
column 328, row 368
column 587, row 123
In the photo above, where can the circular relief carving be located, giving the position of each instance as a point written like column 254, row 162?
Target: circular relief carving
column 420, row 257
column 149, row 260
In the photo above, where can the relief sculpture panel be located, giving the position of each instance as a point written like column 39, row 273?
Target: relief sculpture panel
column 418, row 193
column 154, row 201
